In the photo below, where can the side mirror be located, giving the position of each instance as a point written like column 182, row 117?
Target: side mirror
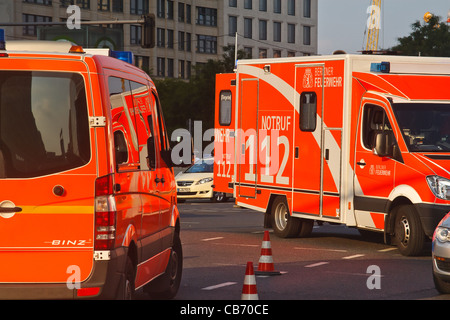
column 151, row 153
column 383, row 142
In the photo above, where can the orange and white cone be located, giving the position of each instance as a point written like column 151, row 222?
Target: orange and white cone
column 266, row 265
column 249, row 291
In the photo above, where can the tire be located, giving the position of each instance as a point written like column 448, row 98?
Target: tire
column 283, row 224
column 408, row 232
column 218, row 197
column 166, row 286
column 127, row 286
column 441, row 285
column 306, row 228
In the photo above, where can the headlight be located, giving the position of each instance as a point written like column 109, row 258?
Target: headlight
column 205, row 180
column 440, row 187
column 442, row 234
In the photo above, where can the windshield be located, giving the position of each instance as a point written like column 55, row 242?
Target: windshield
column 201, row 166
column 425, row 126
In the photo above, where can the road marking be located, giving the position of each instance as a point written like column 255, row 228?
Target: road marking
column 355, row 274
column 211, row 239
column 316, row 264
column 236, row 244
column 387, row 249
column 353, row 257
column 317, row 249
column 220, row 285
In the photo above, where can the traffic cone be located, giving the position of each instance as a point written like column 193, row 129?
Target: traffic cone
column 249, row 288
column 266, row 266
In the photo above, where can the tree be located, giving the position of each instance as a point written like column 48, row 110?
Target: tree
column 175, row 97
column 228, row 57
column 429, row 39
column 194, row 100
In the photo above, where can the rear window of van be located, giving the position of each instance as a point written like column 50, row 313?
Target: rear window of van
column 44, row 125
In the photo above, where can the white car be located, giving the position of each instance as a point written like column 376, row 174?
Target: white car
column 441, row 255
column 196, row 182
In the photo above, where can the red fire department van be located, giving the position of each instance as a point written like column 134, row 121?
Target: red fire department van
column 361, row 140
column 88, row 195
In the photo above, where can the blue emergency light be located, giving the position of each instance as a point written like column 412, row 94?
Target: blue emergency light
column 383, row 67
column 2, row 40
column 126, row 56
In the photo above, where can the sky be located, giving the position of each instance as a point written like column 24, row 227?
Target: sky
column 342, row 22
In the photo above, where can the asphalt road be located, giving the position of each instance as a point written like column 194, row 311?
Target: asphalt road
column 336, row 262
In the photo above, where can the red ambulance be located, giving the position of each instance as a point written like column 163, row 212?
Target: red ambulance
column 87, row 190
column 360, row 140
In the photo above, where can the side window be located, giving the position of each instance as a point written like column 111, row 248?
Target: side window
column 130, row 110
column 225, row 106
column 143, row 123
column 125, row 138
column 308, row 111
column 378, row 134
column 374, row 121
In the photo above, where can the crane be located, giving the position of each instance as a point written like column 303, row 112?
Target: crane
column 373, row 26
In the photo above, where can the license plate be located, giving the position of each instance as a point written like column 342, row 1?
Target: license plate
column 184, row 189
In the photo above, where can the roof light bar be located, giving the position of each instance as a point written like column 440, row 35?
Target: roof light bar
column 2, row 44
column 76, row 49
column 126, row 56
column 2, row 40
column 383, row 67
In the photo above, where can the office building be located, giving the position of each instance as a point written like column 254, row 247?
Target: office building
column 188, row 32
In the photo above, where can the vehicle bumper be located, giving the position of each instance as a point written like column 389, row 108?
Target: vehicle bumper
column 431, row 215
column 441, row 259
column 106, row 275
column 196, row 193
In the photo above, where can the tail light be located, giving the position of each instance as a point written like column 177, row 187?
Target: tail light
column 105, row 214
column 88, row 292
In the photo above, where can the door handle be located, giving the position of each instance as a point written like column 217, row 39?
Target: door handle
column 158, row 180
column 361, row 163
column 10, row 210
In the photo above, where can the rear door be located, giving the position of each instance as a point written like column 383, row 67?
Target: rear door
column 247, row 138
column 224, row 132
column 308, row 163
column 47, row 171
column 318, row 139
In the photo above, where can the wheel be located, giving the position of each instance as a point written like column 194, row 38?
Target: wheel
column 166, row 286
column 306, row 228
column 126, row 290
column 441, row 285
column 283, row 224
column 408, row 232
column 218, row 197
